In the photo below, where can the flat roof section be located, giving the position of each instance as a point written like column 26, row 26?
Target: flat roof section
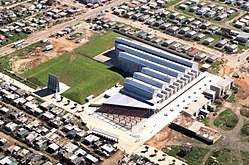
column 127, row 101
column 157, row 52
column 196, row 105
column 151, row 57
column 147, row 63
column 159, row 75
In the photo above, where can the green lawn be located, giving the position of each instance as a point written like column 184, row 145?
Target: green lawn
column 171, row 3
column 205, row 121
column 25, row 51
column 226, row 120
column 245, row 157
column 15, row 37
column 194, row 157
column 5, row 63
column 215, row 67
column 232, row 98
column 221, row 157
column 74, row 36
column 244, row 132
column 98, row 44
column 84, row 75
column 244, row 111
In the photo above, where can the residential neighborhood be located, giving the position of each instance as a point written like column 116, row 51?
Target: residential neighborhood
column 114, row 82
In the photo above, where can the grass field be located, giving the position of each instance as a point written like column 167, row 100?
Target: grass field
column 215, row 67
column 25, row 51
column 78, row 70
column 194, row 157
column 245, row 157
column 226, row 120
column 15, row 37
column 85, row 76
column 171, row 3
column 222, row 157
column 5, row 63
column 244, row 132
column 97, row 44
column 244, row 111
column 232, row 98
column 21, row 53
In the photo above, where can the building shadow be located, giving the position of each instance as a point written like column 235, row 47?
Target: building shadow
column 44, row 92
column 123, row 74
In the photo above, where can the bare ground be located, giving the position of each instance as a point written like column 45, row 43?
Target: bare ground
column 38, row 56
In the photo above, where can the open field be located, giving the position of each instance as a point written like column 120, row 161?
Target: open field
column 232, row 98
column 221, row 157
column 97, row 44
column 84, row 75
column 216, row 66
column 14, row 37
column 244, row 132
column 226, row 120
column 245, row 157
column 244, row 111
column 194, row 157
column 171, row 3
column 5, row 63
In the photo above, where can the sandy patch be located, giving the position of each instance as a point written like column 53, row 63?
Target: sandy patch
column 38, row 56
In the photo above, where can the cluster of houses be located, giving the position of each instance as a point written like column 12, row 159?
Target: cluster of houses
column 48, row 128
column 8, row 2
column 30, row 25
column 208, row 10
column 242, row 23
column 13, row 154
column 8, row 15
column 240, row 4
column 57, row 13
column 176, row 24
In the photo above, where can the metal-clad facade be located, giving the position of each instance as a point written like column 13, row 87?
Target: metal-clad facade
column 157, row 52
column 153, row 58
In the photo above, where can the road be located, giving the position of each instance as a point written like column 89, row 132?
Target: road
column 40, row 35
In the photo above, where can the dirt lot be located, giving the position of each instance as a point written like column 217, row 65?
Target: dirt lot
column 114, row 158
column 243, row 81
column 165, row 137
column 38, row 56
